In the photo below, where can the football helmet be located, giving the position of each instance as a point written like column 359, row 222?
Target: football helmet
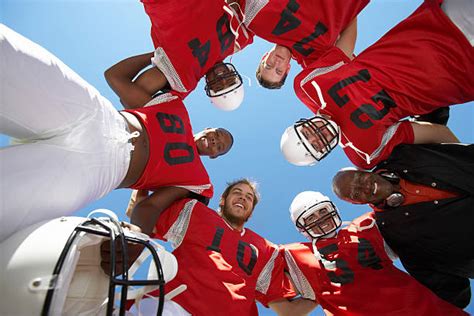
column 314, row 215
column 309, row 140
column 224, row 87
column 53, row 268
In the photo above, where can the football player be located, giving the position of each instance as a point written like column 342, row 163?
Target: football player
column 301, row 30
column 424, row 63
column 54, row 267
column 350, row 271
column 225, row 265
column 76, row 147
column 188, row 47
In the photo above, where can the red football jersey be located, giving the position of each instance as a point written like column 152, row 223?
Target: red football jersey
column 225, row 270
column 191, row 36
column 423, row 63
column 307, row 27
column 352, row 274
column 173, row 159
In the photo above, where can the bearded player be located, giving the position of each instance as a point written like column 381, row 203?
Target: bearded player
column 342, row 269
column 225, row 265
column 424, row 63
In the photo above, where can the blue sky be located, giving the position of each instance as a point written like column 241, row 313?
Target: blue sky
column 91, row 35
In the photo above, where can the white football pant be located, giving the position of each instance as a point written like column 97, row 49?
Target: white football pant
column 72, row 144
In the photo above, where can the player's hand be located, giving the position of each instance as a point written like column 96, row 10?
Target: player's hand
column 133, row 251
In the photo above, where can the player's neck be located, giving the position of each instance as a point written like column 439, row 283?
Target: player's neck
column 235, row 226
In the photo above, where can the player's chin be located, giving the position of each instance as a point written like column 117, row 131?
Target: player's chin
column 202, row 150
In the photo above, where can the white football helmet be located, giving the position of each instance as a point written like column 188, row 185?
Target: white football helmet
column 53, row 268
column 224, row 88
column 314, row 215
column 296, row 147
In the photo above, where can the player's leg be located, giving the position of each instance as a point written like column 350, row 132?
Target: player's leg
column 55, row 177
column 461, row 12
column 39, row 182
column 41, row 96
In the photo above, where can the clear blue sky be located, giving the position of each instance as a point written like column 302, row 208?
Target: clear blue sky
column 91, row 35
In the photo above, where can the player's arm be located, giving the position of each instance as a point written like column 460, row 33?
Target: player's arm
column 133, row 91
column 147, row 211
column 299, row 306
column 429, row 133
column 347, row 38
column 133, row 251
column 136, row 197
column 438, row 116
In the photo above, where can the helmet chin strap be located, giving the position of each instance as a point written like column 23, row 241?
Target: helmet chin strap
column 316, row 253
column 315, row 240
column 248, row 79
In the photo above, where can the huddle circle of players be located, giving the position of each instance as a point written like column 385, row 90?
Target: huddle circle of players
column 414, row 173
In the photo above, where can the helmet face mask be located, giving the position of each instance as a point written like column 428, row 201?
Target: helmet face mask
column 323, row 130
column 221, row 79
column 319, row 220
column 314, row 215
column 54, row 267
column 309, row 140
column 224, row 86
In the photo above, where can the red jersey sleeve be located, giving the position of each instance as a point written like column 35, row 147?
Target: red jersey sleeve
column 190, row 37
column 402, row 135
column 280, row 285
column 329, row 61
column 170, row 217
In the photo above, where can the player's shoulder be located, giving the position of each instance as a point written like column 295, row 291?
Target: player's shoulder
column 190, row 203
column 164, row 98
column 297, row 246
column 362, row 223
column 258, row 240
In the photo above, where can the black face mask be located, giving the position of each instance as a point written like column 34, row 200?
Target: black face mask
column 395, row 199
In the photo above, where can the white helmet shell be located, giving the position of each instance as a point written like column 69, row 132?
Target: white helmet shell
column 310, row 211
column 298, row 150
column 53, row 268
column 224, row 86
column 229, row 99
column 294, row 150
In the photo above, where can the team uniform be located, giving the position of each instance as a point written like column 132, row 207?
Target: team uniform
column 191, row 37
column 225, row 270
column 423, row 63
column 74, row 146
column 353, row 274
column 307, row 28
column 173, row 159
